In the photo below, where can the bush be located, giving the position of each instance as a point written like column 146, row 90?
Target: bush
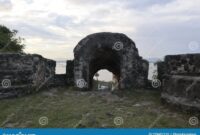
column 9, row 42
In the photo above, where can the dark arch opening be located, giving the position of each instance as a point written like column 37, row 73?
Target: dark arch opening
column 104, row 58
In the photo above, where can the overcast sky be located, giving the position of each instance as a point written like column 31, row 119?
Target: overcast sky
column 52, row 28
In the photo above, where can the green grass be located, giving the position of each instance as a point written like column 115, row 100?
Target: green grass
column 67, row 108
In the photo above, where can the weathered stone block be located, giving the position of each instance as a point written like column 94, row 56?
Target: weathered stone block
column 161, row 68
column 180, row 75
column 183, row 91
column 21, row 74
column 185, row 64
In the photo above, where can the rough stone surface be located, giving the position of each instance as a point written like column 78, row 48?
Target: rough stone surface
column 21, row 74
column 186, row 64
column 70, row 72
column 161, row 69
column 112, row 51
column 181, row 80
column 59, row 80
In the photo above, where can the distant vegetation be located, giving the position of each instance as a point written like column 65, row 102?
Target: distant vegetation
column 9, row 42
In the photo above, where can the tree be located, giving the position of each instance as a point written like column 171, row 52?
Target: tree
column 9, row 42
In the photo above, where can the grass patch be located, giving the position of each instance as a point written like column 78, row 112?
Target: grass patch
column 67, row 108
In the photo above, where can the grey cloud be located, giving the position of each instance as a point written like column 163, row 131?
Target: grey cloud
column 141, row 4
column 91, row 2
column 31, row 30
column 61, row 20
column 167, row 37
column 133, row 3
column 29, row 1
column 157, row 33
column 5, row 5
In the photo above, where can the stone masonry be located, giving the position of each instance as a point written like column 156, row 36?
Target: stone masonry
column 22, row 74
column 112, row 51
column 180, row 75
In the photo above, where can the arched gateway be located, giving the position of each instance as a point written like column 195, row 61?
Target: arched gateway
column 112, row 51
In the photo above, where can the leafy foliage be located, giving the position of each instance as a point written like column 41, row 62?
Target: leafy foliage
column 9, row 42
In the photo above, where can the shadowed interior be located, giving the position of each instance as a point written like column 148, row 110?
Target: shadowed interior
column 105, row 59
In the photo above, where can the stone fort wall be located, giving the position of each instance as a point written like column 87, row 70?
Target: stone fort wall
column 180, row 75
column 22, row 74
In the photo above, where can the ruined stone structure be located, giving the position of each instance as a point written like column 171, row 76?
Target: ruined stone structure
column 22, row 74
column 180, row 75
column 112, row 51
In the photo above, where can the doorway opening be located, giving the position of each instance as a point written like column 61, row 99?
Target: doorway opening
column 103, row 80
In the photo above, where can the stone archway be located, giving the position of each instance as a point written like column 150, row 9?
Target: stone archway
column 112, row 51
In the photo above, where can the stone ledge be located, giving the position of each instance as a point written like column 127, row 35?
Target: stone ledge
column 182, row 86
column 183, row 103
column 183, row 64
